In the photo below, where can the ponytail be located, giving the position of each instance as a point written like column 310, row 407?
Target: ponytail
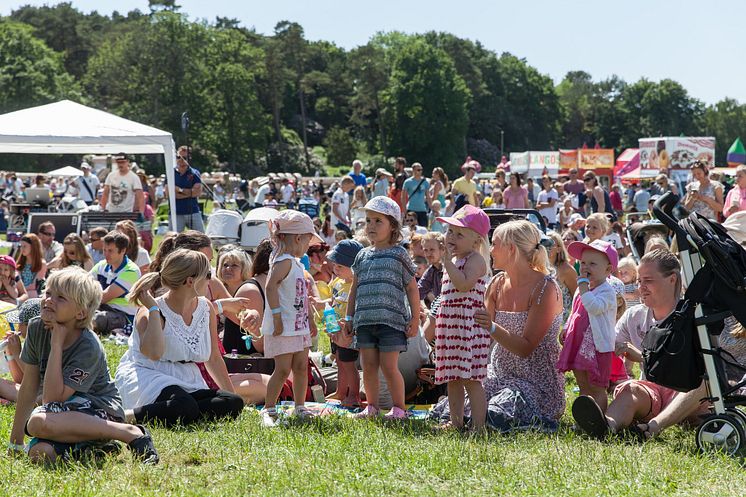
column 527, row 239
column 148, row 281
column 540, row 259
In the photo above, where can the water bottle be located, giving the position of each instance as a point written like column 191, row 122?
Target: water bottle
column 234, row 354
column 4, row 368
column 331, row 320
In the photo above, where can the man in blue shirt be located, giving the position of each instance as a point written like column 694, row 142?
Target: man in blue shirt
column 357, row 176
column 415, row 194
column 188, row 186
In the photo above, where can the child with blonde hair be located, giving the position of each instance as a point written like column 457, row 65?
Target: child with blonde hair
column 285, row 326
column 462, row 347
column 627, row 272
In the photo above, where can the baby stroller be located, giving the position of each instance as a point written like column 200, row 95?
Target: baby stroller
column 714, row 272
column 638, row 234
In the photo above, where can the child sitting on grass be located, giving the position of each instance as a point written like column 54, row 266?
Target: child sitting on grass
column 12, row 290
column 81, row 408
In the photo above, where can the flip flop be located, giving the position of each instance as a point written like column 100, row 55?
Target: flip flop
column 590, row 418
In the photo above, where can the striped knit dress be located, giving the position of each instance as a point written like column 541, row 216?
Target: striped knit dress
column 461, row 347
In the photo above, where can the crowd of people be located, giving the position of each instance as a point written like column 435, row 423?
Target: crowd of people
column 426, row 297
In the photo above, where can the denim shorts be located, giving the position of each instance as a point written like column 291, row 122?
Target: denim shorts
column 381, row 337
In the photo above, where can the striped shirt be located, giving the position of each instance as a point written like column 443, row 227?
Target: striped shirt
column 382, row 279
column 124, row 277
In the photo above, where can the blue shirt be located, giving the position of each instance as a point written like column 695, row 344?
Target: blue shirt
column 187, row 180
column 416, row 200
column 359, row 179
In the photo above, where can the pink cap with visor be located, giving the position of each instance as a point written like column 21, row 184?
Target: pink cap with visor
column 576, row 249
column 470, row 217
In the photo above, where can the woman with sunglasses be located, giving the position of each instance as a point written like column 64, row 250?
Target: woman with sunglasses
column 158, row 376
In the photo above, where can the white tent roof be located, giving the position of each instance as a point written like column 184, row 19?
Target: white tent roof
column 67, row 127
column 66, row 171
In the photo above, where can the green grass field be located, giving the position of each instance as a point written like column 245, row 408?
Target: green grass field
column 336, row 456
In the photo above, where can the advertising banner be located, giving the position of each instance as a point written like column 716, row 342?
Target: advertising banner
column 519, row 162
column 676, row 152
column 596, row 158
column 534, row 164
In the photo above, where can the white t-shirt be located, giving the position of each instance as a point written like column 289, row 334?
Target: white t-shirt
column 549, row 212
column 122, row 191
column 293, row 293
column 614, row 240
column 261, row 193
column 342, row 200
column 143, row 257
column 287, row 193
column 92, row 182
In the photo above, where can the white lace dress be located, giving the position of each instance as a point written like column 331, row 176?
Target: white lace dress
column 140, row 380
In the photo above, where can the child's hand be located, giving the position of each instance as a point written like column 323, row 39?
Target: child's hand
column 346, row 327
column 13, row 344
column 58, row 332
column 562, row 336
column 277, row 319
column 413, row 329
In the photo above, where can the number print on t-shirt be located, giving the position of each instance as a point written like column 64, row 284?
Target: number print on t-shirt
column 79, row 376
column 301, row 304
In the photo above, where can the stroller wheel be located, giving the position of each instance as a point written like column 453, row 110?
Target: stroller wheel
column 739, row 415
column 721, row 433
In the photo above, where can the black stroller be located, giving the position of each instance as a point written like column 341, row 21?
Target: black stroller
column 714, row 272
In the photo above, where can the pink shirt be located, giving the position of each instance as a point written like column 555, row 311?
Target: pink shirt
column 733, row 194
column 515, row 200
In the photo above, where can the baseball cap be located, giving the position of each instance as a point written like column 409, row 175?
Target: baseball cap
column 344, row 252
column 8, row 260
column 295, row 223
column 576, row 249
column 121, row 156
column 384, row 205
column 470, row 217
column 85, row 165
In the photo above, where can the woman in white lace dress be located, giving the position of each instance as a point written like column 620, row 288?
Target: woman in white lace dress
column 158, row 377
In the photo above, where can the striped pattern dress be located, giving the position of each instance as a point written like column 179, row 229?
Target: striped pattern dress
column 461, row 347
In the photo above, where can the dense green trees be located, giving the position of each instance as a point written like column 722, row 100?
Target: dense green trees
column 282, row 102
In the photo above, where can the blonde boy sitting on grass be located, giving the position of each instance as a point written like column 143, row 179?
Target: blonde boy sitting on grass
column 81, row 409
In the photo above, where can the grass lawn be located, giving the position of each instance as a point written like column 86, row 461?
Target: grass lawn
column 347, row 457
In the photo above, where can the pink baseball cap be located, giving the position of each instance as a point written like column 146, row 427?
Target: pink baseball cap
column 6, row 259
column 576, row 250
column 470, row 217
column 295, row 223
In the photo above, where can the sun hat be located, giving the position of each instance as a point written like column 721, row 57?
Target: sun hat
column 381, row 170
column 25, row 312
column 471, row 164
column 574, row 217
column 384, row 205
column 8, row 260
column 344, row 252
column 470, row 217
column 576, row 249
column 294, row 222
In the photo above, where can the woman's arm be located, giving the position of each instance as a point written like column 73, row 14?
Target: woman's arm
column 150, row 330
column 216, row 365
column 598, row 194
column 569, row 277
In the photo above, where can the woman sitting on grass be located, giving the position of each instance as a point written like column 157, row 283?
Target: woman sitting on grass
column 158, row 377
column 31, row 264
column 73, row 254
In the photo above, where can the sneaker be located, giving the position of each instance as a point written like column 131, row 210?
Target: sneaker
column 269, row 417
column 396, row 413
column 369, row 412
column 302, row 412
column 143, row 448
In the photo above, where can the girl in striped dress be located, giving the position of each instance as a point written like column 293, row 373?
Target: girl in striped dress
column 461, row 347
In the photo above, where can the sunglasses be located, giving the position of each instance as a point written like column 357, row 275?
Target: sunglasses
column 46, row 234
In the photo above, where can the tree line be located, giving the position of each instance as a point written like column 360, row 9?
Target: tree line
column 280, row 102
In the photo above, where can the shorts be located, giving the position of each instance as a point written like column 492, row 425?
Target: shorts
column 660, row 397
column 344, row 354
column 381, row 337
column 276, row 346
column 73, row 451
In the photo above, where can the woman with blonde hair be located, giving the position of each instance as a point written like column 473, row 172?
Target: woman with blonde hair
column 74, row 253
column 158, row 377
column 523, row 314
column 564, row 273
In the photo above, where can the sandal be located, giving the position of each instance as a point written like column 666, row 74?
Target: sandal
column 590, row 418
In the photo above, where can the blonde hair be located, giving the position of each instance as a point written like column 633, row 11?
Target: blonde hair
column 656, row 242
column 526, row 238
column 235, row 255
column 79, row 286
column 482, row 248
column 436, row 237
column 562, row 255
column 359, row 192
column 602, row 220
column 177, row 267
column 628, row 262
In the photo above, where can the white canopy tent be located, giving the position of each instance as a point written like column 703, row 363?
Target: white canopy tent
column 67, row 127
column 66, row 171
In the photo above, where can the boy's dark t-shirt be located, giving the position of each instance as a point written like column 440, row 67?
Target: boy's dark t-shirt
column 84, row 366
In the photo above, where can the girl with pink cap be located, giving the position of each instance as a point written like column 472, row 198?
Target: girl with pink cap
column 285, row 327
column 462, row 347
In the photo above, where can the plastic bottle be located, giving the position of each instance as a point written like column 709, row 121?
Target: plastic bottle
column 331, row 320
column 234, row 354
